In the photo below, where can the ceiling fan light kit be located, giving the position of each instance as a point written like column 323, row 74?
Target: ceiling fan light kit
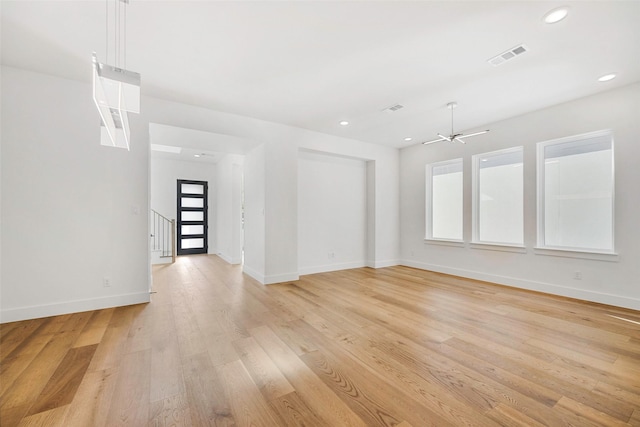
column 454, row 136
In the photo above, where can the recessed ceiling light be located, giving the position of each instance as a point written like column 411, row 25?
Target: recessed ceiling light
column 607, row 77
column 556, row 15
column 196, row 155
column 408, row 138
column 344, row 123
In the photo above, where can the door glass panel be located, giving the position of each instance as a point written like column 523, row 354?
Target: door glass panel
column 192, row 243
column 192, row 189
column 192, row 202
column 192, row 229
column 192, row 216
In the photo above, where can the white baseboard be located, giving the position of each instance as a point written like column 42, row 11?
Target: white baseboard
column 290, row 277
column 38, row 311
column 280, row 278
column 331, row 267
column 268, row 280
column 230, row 260
column 382, row 264
column 252, row 273
column 225, row 257
column 549, row 288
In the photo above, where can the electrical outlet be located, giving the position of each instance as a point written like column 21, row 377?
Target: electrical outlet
column 332, row 255
column 106, row 282
column 577, row 275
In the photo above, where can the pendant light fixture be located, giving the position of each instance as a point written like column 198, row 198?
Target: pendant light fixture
column 116, row 91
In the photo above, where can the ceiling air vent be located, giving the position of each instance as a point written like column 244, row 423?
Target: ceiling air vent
column 508, row 55
column 393, row 108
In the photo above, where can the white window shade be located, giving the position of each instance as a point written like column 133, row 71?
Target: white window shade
column 498, row 211
column 444, row 204
column 576, row 193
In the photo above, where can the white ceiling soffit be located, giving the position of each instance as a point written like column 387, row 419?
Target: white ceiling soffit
column 312, row 64
column 174, row 136
column 177, row 143
column 165, row 148
column 189, row 155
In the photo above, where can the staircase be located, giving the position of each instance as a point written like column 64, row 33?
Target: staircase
column 163, row 239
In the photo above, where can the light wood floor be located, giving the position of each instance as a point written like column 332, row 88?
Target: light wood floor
column 388, row 347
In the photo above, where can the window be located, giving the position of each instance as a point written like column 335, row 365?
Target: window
column 498, row 197
column 444, row 200
column 575, row 193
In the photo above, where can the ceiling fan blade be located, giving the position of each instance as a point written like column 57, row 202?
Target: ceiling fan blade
column 454, row 136
column 434, row 140
column 474, row 134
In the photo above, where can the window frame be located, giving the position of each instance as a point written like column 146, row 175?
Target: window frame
column 475, row 197
column 429, row 201
column 541, row 245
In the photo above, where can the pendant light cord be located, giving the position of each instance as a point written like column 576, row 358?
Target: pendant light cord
column 452, row 107
column 106, row 30
column 119, row 33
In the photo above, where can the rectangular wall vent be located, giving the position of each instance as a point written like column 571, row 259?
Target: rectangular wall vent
column 393, row 108
column 508, row 55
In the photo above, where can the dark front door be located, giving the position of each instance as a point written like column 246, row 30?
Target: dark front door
column 192, row 217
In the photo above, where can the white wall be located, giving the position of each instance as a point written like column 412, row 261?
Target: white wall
column 1, row 210
column 281, row 213
column 606, row 279
column 254, row 214
column 164, row 176
column 371, row 213
column 229, row 208
column 274, row 168
column 332, row 213
column 73, row 212
column 383, row 185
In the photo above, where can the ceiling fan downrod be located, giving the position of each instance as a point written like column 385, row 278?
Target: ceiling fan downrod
column 454, row 136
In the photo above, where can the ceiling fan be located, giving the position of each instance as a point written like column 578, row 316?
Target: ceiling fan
column 454, row 136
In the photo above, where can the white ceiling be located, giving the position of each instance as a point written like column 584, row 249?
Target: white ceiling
column 313, row 63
